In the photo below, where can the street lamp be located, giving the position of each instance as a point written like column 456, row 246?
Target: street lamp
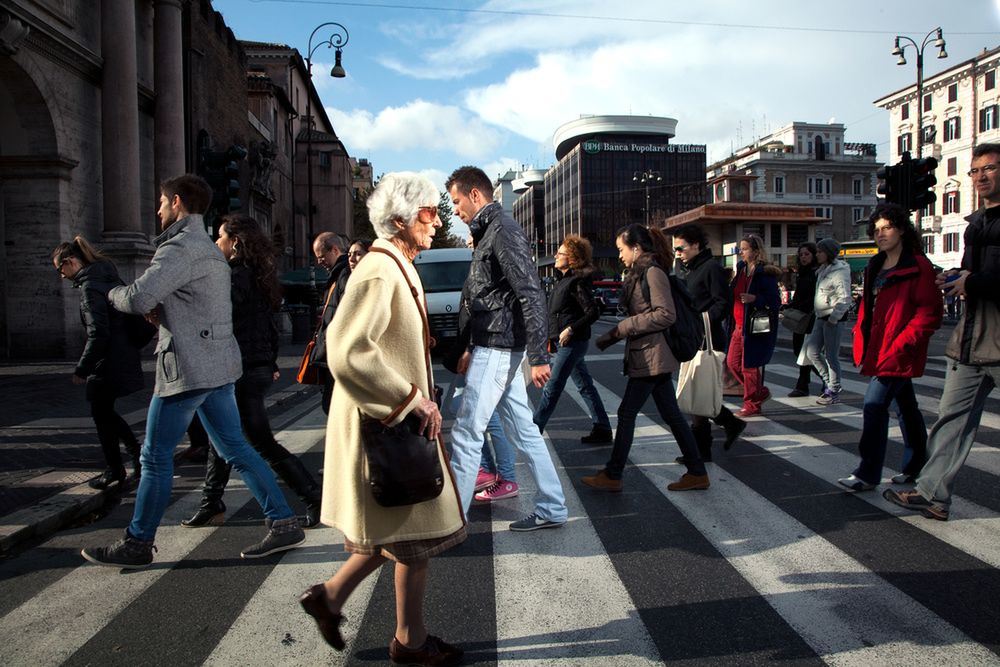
column 647, row 177
column 337, row 40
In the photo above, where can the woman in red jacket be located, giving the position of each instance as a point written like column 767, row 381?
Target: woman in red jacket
column 900, row 309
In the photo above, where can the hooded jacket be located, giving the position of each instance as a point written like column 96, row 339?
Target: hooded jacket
column 503, row 304
column 975, row 339
column 894, row 327
column 833, row 291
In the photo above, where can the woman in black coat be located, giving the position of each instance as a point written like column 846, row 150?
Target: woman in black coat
column 110, row 364
column 706, row 281
column 255, row 296
column 805, row 293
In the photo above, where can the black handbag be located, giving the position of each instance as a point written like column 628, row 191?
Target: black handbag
column 403, row 465
column 797, row 321
column 760, row 321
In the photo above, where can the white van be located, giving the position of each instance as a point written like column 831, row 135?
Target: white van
column 443, row 272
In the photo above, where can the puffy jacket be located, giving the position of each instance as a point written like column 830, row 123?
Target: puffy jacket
column 253, row 321
column 339, row 274
column 758, row 348
column 504, row 303
column 975, row 339
column 833, row 291
column 894, row 327
column 572, row 304
column 189, row 279
column 646, row 350
column 706, row 281
column 109, row 362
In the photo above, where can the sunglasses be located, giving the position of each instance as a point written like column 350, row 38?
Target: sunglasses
column 680, row 248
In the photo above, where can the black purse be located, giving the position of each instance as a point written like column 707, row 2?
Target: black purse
column 403, row 465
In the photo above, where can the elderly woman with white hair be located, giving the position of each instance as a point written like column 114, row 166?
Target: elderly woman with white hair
column 379, row 359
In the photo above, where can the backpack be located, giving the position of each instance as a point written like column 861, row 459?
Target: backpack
column 686, row 335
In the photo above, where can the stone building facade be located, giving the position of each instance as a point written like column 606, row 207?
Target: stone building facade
column 960, row 109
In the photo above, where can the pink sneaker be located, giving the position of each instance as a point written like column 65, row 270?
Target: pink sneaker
column 486, row 479
column 502, row 489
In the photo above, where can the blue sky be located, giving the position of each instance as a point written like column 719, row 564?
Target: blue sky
column 435, row 84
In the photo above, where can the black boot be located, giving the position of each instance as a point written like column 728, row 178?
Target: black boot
column 732, row 424
column 212, row 508
column 209, row 514
column 802, row 385
column 298, row 479
column 107, row 478
column 599, row 435
column 134, row 451
column 703, row 438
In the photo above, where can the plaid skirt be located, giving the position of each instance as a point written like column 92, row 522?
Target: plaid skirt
column 411, row 551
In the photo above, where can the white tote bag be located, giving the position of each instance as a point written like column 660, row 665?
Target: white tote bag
column 699, row 383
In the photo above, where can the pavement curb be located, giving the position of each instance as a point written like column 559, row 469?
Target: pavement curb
column 51, row 514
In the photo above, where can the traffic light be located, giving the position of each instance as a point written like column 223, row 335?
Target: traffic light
column 921, row 181
column 541, row 247
column 889, row 186
column 222, row 171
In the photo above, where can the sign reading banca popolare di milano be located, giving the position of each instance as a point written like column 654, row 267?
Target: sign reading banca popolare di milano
column 597, row 146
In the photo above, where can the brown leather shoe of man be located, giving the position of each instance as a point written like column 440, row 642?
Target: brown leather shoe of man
column 602, row 482
column 689, row 482
column 433, row 652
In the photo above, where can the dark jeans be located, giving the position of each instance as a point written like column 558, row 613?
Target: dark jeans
column 111, row 429
column 250, row 392
column 875, row 432
column 636, row 392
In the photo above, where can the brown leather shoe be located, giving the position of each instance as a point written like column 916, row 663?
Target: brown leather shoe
column 314, row 601
column 602, row 482
column 433, row 652
column 689, row 482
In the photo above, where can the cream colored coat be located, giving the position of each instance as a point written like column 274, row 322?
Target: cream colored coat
column 376, row 356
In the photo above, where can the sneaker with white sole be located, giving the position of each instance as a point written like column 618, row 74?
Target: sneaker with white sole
column 533, row 522
column 502, row 489
column 282, row 535
column 486, row 479
column 127, row 553
column 829, row 397
column 856, row 484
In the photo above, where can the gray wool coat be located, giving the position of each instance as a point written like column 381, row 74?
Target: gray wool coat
column 189, row 279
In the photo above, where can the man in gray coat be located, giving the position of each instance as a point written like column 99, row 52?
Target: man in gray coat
column 186, row 290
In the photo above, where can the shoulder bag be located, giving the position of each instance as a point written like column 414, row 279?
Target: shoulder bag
column 760, row 321
column 699, row 383
column 404, row 467
column 796, row 321
column 309, row 368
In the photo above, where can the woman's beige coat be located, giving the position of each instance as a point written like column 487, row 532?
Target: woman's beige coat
column 377, row 357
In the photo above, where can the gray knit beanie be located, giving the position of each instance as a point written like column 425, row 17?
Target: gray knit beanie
column 830, row 246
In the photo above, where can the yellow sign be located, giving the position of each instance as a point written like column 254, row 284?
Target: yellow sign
column 865, row 252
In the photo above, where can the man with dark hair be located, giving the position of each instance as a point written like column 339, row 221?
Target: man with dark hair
column 503, row 309
column 974, row 348
column 186, row 290
column 706, row 281
column 330, row 250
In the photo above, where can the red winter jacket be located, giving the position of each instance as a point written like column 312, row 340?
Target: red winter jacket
column 895, row 326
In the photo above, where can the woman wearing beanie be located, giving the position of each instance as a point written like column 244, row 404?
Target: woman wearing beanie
column 832, row 301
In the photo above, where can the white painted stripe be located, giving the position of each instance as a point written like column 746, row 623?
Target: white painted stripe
column 847, row 614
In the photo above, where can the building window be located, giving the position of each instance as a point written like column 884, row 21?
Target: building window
column 779, row 185
column 796, row 234
column 991, row 79
column 818, row 186
column 952, row 166
column 927, row 102
column 858, row 186
column 953, row 92
column 858, row 214
column 929, row 209
column 775, row 235
column 929, row 132
column 988, row 118
column 951, row 242
column 953, row 129
column 324, row 159
column 928, row 245
column 951, row 202
column 903, row 143
column 904, row 112
column 824, row 212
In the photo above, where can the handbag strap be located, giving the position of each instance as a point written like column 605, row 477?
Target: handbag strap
column 422, row 308
column 708, row 330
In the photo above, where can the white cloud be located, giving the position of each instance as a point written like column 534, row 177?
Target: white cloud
column 415, row 126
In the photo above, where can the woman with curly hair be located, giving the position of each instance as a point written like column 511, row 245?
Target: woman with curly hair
column 256, row 295
column 571, row 312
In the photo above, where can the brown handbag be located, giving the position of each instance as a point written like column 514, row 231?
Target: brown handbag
column 309, row 368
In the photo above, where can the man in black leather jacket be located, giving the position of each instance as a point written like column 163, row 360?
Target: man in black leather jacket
column 330, row 250
column 504, row 310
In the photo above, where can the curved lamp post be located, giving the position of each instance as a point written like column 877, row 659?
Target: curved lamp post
column 647, row 177
column 900, row 51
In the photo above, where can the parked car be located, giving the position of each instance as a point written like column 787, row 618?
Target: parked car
column 606, row 295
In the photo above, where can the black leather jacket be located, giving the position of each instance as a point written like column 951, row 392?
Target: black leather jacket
column 502, row 302
column 253, row 321
column 572, row 304
column 339, row 275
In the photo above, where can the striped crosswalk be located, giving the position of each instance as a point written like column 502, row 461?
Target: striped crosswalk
column 774, row 563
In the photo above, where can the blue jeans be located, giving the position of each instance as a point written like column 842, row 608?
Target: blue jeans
column 823, row 350
column 503, row 464
column 568, row 363
column 166, row 422
column 636, row 392
column 962, row 401
column 881, row 393
column 494, row 383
